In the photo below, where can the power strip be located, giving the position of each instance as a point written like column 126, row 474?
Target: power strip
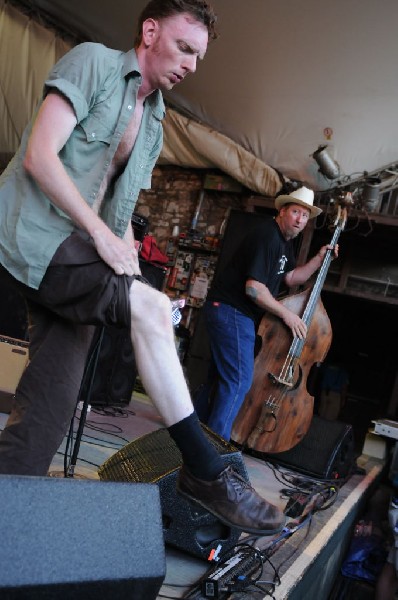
column 386, row 427
column 230, row 576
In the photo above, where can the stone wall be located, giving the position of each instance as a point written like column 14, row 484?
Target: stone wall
column 174, row 198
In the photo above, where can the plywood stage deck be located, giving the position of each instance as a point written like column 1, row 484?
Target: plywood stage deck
column 306, row 561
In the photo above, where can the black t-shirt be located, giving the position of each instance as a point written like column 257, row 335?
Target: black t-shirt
column 265, row 256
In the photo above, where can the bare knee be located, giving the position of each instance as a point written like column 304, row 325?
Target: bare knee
column 150, row 309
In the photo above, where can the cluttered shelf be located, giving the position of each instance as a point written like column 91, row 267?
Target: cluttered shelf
column 191, row 267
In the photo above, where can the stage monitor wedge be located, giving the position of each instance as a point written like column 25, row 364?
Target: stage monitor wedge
column 155, row 458
column 66, row 539
column 327, row 451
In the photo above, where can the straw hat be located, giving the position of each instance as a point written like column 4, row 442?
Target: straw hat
column 302, row 196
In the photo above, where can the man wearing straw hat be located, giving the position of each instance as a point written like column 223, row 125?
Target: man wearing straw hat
column 240, row 295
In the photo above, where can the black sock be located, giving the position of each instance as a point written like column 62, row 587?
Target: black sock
column 198, row 453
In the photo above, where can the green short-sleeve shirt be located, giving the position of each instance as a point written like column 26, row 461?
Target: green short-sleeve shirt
column 101, row 84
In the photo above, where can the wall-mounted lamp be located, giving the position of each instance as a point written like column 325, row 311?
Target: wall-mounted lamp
column 371, row 194
column 327, row 165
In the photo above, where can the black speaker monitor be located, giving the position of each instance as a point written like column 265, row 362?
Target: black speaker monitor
column 155, row 458
column 65, row 539
column 327, row 451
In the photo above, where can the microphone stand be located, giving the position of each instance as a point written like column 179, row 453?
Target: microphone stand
column 89, row 374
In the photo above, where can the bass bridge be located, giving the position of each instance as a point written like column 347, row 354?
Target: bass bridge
column 288, row 382
column 290, row 375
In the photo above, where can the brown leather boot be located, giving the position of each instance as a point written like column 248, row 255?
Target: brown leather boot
column 232, row 500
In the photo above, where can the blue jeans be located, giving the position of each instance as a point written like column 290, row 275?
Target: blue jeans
column 232, row 338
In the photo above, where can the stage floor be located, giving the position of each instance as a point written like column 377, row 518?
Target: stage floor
column 306, row 561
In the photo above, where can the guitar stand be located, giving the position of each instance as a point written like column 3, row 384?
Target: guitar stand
column 88, row 375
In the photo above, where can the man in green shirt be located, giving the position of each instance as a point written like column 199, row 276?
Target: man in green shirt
column 66, row 243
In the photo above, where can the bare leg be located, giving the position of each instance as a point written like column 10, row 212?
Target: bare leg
column 155, row 353
column 228, row 496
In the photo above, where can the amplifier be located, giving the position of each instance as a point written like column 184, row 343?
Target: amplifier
column 14, row 356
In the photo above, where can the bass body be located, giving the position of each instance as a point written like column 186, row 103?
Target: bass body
column 277, row 410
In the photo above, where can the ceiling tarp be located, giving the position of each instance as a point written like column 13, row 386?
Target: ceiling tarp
column 27, row 53
column 30, row 49
column 284, row 77
column 188, row 143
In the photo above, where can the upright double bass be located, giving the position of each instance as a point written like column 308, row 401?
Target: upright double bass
column 277, row 410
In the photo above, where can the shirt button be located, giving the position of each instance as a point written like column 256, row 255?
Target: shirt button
column 141, row 166
column 93, row 135
column 129, row 107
